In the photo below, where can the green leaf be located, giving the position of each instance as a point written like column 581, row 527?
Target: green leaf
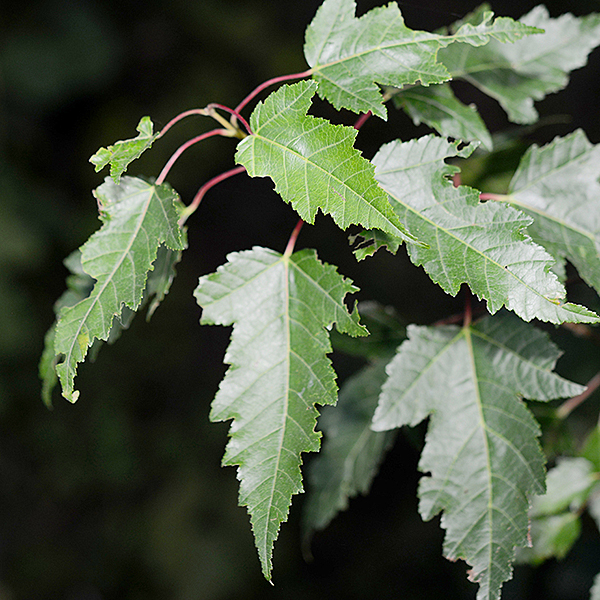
column 280, row 307
column 314, row 164
column 467, row 241
column 349, row 55
column 137, row 218
column 529, row 69
column 558, row 186
column 124, row 152
column 481, row 449
column 351, row 453
column 595, row 591
column 438, row 107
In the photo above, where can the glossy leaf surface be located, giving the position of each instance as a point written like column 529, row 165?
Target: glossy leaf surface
column 280, row 307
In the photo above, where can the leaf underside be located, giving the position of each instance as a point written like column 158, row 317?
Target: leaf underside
column 481, row 448
column 467, row 241
column 280, row 308
column 558, row 186
column 349, row 56
column 137, row 217
column 314, row 164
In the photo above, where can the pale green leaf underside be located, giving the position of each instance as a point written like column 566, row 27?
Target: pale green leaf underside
column 438, row 107
column 123, row 152
column 529, row 69
column 349, row 56
column 351, row 452
column 481, row 448
column 137, row 218
column 314, row 164
column 280, row 308
column 595, row 591
column 558, row 186
column 481, row 244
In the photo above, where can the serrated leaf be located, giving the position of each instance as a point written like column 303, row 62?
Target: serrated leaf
column 466, row 241
column 123, row 152
column 137, row 218
column 351, row 453
column 313, row 163
column 558, row 186
column 280, row 307
column 349, row 56
column 481, row 448
column 438, row 107
column 529, row 69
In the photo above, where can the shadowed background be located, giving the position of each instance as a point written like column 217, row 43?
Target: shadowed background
column 122, row 496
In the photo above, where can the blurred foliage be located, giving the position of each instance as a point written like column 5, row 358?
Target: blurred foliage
column 122, row 495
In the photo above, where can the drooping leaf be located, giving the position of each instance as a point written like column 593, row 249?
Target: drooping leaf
column 349, row 56
column 438, row 107
column 280, row 307
column 123, row 152
column 137, row 218
column 351, row 452
column 558, row 186
column 481, row 448
column 314, row 164
column 529, row 69
column 468, row 241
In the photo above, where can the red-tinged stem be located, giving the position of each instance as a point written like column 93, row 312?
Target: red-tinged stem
column 456, row 181
column 233, row 112
column 292, row 241
column 191, row 208
column 491, row 197
column 362, row 120
column 269, row 83
column 179, row 117
column 184, row 147
column 468, row 309
column 565, row 409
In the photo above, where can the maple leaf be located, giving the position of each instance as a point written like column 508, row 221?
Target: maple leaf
column 481, row 448
column 467, row 241
column 137, row 217
column 349, row 56
column 529, row 69
column 123, row 152
column 558, row 186
column 314, row 164
column 280, row 307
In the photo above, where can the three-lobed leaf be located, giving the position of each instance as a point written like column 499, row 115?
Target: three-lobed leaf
column 558, row 186
column 468, row 241
column 280, row 307
column 349, row 55
column 123, row 152
column 481, row 448
column 138, row 217
column 529, row 69
column 314, row 164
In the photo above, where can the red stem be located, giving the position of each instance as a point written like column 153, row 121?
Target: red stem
column 468, row 309
column 292, row 241
column 233, row 112
column 202, row 191
column 184, row 147
column 362, row 119
column 179, row 117
column 491, row 196
column 269, row 83
column 565, row 409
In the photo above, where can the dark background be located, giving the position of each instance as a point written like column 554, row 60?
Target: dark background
column 122, row 496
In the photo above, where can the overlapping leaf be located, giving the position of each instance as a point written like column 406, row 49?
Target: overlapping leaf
column 138, row 217
column 529, row 69
column 438, row 107
column 481, row 449
column 558, row 186
column 313, row 163
column 349, row 56
column 280, row 307
column 481, row 244
column 123, row 152
column 351, row 452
